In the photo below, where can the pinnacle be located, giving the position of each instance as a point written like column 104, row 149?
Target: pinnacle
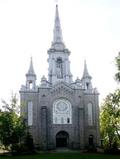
column 85, row 72
column 31, row 69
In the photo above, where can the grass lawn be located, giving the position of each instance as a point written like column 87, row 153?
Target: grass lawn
column 64, row 156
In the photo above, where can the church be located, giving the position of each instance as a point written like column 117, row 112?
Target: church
column 60, row 112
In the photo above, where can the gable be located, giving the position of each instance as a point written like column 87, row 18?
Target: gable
column 61, row 87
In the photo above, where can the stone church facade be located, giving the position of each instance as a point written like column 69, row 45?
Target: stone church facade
column 60, row 112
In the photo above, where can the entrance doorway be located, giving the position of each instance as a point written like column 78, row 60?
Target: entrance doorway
column 62, row 139
column 91, row 143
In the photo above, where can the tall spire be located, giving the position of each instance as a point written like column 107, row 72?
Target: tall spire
column 85, row 72
column 57, row 28
column 31, row 69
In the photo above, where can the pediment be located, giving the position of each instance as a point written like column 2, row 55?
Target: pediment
column 62, row 87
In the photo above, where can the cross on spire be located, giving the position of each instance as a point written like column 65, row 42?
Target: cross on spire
column 56, row 1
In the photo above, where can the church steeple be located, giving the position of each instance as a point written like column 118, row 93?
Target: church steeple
column 59, row 64
column 57, row 32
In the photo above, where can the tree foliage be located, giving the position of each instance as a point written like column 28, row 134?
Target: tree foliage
column 12, row 127
column 29, row 142
column 117, row 61
column 110, row 120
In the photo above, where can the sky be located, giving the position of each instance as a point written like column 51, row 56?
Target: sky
column 90, row 28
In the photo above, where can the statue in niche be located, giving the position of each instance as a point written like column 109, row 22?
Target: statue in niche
column 59, row 68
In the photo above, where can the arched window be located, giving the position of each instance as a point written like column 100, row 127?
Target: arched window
column 90, row 114
column 62, row 112
column 30, row 113
column 87, row 85
column 59, row 66
column 68, row 120
column 31, row 85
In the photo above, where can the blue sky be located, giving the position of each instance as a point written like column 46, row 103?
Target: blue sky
column 91, row 31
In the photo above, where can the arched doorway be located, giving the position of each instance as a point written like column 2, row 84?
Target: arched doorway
column 90, row 139
column 62, row 139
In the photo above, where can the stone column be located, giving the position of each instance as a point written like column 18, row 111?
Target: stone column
column 44, row 127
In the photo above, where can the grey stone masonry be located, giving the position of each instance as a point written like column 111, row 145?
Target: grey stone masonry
column 61, row 112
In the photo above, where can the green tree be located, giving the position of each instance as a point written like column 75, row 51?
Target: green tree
column 29, row 142
column 12, row 127
column 117, row 62
column 110, row 120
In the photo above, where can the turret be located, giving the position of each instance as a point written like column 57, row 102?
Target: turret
column 86, row 78
column 31, row 77
column 44, row 82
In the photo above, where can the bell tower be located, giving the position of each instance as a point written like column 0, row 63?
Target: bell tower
column 59, row 64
